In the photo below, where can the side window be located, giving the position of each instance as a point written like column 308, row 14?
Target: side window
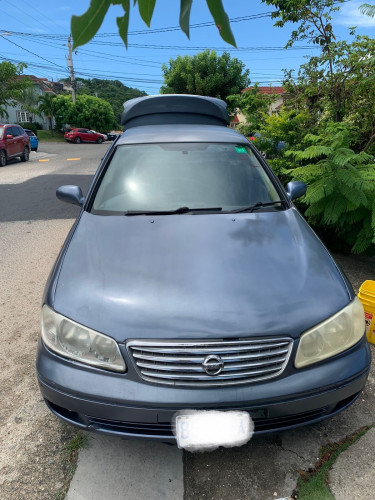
column 82, row 130
column 20, row 130
column 11, row 131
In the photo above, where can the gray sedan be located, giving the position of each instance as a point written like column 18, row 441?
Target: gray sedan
column 191, row 282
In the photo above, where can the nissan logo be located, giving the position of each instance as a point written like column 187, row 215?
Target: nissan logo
column 213, row 364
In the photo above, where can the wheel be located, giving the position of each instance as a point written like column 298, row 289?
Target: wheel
column 77, row 140
column 25, row 154
column 99, row 140
column 3, row 158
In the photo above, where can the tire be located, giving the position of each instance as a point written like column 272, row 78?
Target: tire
column 3, row 158
column 25, row 154
column 77, row 140
column 99, row 140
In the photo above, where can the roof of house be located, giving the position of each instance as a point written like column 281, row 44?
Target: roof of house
column 42, row 82
column 268, row 90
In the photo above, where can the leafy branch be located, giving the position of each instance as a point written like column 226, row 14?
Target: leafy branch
column 85, row 27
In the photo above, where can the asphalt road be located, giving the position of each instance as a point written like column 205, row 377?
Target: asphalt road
column 33, row 225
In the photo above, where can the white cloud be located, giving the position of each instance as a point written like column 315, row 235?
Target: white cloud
column 350, row 15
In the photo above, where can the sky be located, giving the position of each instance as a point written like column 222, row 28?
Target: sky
column 36, row 33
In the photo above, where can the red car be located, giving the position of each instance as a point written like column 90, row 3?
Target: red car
column 78, row 135
column 13, row 142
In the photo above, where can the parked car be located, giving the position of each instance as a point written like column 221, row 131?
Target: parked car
column 105, row 137
column 112, row 136
column 14, row 142
column 190, row 281
column 34, row 143
column 78, row 135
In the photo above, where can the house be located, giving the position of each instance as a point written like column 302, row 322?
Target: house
column 17, row 114
column 274, row 107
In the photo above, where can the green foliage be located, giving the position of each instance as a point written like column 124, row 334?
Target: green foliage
column 34, row 126
column 28, row 98
column 205, row 73
column 341, row 184
column 367, row 9
column 254, row 106
column 11, row 85
column 85, row 27
column 47, row 107
column 89, row 112
column 314, row 18
column 112, row 91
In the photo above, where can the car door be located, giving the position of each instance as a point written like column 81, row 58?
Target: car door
column 11, row 144
column 22, row 138
column 91, row 137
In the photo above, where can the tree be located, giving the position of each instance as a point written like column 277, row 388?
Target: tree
column 367, row 9
column 341, row 194
column 11, row 84
column 89, row 112
column 85, row 27
column 47, row 107
column 29, row 99
column 206, row 73
column 314, row 18
column 113, row 91
column 254, row 105
column 3, row 112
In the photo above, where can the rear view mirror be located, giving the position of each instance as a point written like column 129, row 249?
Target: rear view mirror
column 295, row 189
column 70, row 194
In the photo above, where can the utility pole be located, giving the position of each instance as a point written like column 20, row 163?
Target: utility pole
column 70, row 66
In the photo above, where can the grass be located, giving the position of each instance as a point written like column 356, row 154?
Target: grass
column 312, row 484
column 46, row 135
column 70, row 458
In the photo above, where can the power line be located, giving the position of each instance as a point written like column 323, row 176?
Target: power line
column 30, row 52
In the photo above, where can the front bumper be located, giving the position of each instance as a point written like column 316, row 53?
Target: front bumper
column 123, row 404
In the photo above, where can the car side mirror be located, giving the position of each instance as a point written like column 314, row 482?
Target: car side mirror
column 70, row 194
column 295, row 189
column 9, row 136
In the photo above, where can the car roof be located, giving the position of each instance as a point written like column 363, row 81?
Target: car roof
column 165, row 109
column 147, row 134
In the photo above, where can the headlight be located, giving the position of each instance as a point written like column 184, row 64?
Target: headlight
column 332, row 336
column 75, row 341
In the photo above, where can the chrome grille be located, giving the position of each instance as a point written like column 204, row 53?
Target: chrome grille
column 181, row 362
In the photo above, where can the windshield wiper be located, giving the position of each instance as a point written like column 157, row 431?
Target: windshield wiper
column 257, row 205
column 180, row 210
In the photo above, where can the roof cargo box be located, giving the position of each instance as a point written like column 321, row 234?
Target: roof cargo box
column 173, row 109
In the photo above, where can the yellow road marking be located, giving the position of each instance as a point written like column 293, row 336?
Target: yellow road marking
column 73, row 159
column 44, row 160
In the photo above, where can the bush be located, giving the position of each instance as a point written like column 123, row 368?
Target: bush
column 341, row 186
column 34, row 126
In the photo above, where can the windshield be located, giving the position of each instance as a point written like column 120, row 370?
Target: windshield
column 164, row 177
column 1, row 132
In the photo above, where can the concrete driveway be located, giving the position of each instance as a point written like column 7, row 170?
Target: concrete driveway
column 33, row 226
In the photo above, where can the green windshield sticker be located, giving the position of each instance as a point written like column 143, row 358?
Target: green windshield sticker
column 240, row 149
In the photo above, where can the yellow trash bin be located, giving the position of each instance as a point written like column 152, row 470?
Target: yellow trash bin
column 367, row 297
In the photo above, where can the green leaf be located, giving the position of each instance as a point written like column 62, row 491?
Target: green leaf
column 221, row 20
column 85, row 27
column 123, row 22
column 146, row 9
column 185, row 9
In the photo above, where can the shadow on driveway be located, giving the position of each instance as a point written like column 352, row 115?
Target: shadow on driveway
column 35, row 199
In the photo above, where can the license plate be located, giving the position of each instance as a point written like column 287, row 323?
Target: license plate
column 210, row 429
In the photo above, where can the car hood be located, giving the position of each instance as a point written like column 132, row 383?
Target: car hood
column 198, row 276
